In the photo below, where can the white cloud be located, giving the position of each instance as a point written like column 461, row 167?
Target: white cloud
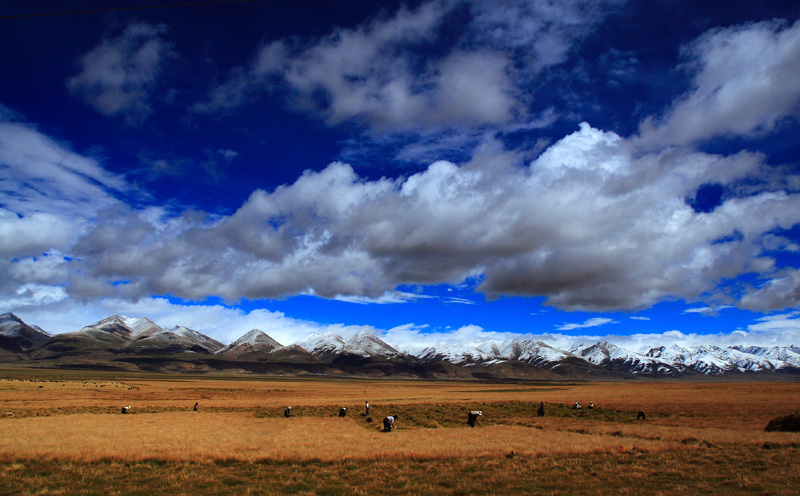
column 593, row 322
column 706, row 311
column 386, row 298
column 50, row 194
column 590, row 225
column 383, row 73
column 779, row 292
column 39, row 175
column 745, row 82
column 118, row 76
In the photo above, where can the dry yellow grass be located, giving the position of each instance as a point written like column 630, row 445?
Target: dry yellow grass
column 79, row 418
column 67, row 436
column 183, row 436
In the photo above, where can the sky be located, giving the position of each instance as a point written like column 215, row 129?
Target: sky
column 427, row 171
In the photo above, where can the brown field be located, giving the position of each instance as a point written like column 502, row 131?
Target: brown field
column 67, row 436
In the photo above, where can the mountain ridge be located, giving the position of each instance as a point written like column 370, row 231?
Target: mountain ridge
column 126, row 341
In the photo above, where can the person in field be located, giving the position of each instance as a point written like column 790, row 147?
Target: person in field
column 343, row 411
column 576, row 406
column 591, row 405
column 388, row 423
column 196, row 405
column 366, row 406
column 540, row 411
column 640, row 415
column 472, row 417
column 126, row 409
column 287, row 412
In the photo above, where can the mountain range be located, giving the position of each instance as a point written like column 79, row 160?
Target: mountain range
column 124, row 343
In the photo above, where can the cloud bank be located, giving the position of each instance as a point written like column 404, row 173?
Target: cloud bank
column 592, row 224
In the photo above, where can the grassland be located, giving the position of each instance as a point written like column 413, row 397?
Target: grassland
column 67, row 436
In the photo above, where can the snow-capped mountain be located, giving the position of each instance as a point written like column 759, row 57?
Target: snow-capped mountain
column 612, row 356
column 714, row 360
column 119, row 332
column 487, row 352
column 255, row 342
column 177, row 338
column 16, row 335
column 120, row 336
column 327, row 347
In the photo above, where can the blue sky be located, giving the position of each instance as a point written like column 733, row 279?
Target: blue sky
column 426, row 171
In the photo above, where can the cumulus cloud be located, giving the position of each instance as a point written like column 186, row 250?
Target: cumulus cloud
column 597, row 222
column 49, row 192
column 744, row 82
column 590, row 225
column 779, row 292
column 118, row 76
column 400, row 72
column 50, row 197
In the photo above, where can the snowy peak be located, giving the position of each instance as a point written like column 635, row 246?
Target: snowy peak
column 328, row 346
column 143, row 334
column 120, row 334
column 140, row 326
column 616, row 358
column 256, row 337
column 321, row 343
column 492, row 351
column 179, row 338
column 114, row 325
column 19, row 334
column 365, row 344
column 253, row 342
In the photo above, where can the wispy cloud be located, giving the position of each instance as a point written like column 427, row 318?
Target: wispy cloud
column 706, row 311
column 593, row 322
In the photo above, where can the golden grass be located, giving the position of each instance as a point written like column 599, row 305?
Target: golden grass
column 186, row 436
column 67, row 433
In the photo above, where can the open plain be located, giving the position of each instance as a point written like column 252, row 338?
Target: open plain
column 63, row 433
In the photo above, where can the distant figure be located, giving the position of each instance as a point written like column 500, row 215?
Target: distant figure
column 366, row 405
column 591, row 405
column 540, row 411
column 343, row 412
column 287, row 412
column 126, row 409
column 388, row 423
column 576, row 406
column 640, row 415
column 472, row 417
column 196, row 405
